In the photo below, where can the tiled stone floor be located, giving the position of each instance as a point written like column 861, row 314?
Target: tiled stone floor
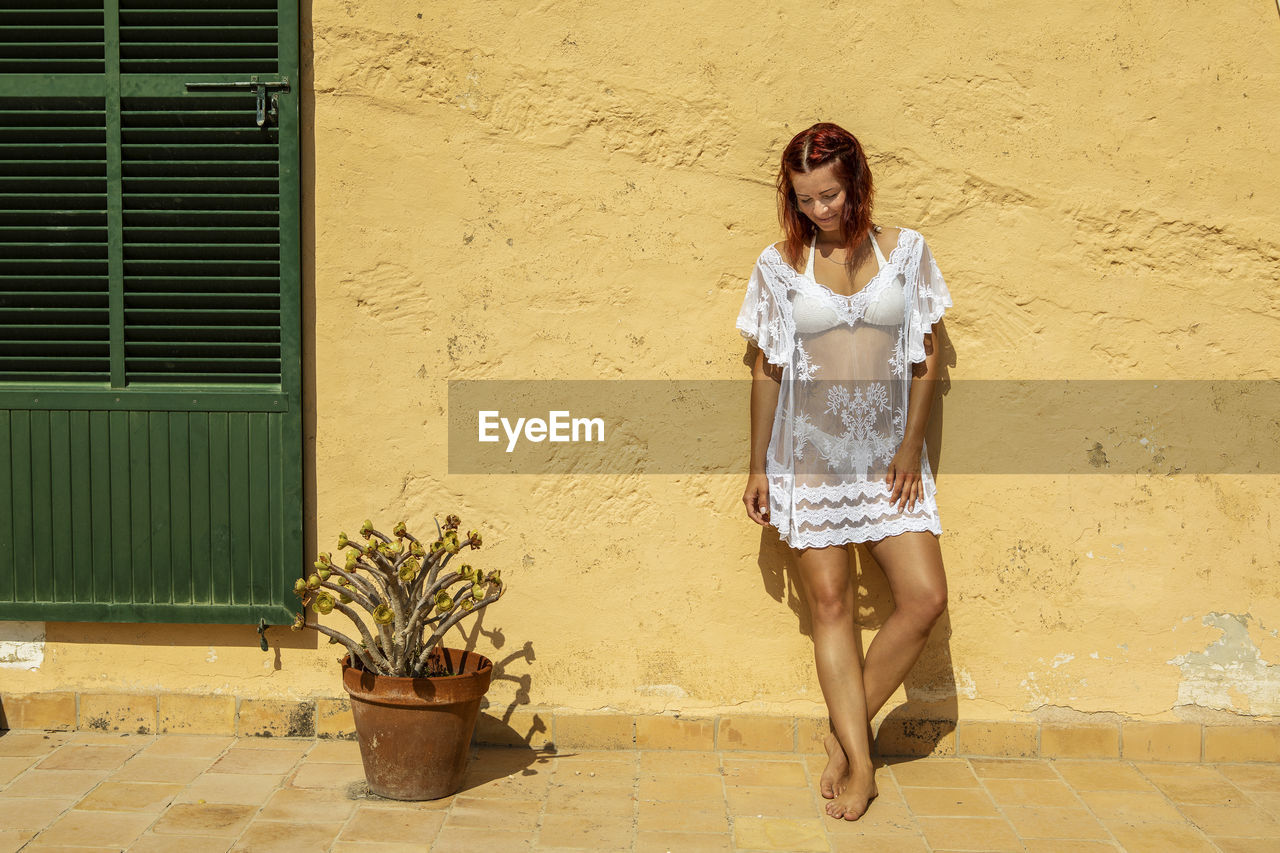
column 90, row 791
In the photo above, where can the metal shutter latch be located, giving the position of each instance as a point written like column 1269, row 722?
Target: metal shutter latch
column 265, row 89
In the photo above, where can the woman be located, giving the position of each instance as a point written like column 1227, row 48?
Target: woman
column 843, row 382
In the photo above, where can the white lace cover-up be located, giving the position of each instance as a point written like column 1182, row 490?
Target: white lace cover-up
column 842, row 407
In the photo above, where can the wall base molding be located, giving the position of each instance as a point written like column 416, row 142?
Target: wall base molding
column 565, row 729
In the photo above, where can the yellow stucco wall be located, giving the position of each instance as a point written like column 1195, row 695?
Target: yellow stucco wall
column 507, row 190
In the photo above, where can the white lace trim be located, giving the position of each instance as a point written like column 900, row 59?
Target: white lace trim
column 864, row 533
column 849, row 309
column 917, row 325
column 817, row 516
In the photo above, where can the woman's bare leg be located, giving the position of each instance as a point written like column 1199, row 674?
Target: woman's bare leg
column 912, row 564
column 828, row 588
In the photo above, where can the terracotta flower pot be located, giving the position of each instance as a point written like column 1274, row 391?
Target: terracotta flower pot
column 415, row 733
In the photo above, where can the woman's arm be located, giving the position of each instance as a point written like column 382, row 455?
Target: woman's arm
column 766, row 383
column 904, row 470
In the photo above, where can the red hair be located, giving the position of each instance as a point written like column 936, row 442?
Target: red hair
column 811, row 149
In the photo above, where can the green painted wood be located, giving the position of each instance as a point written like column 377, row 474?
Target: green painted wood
column 260, row 452
column 41, row 553
column 121, row 505
column 21, row 497
column 79, row 528
column 161, row 506
column 220, row 507
column 7, row 584
column 150, row 312
column 239, row 491
column 139, row 506
column 102, row 535
column 61, row 486
column 198, row 486
column 179, row 462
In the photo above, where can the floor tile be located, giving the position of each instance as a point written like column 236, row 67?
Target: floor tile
column 685, row 789
column 653, row 816
column 772, row 802
column 1012, row 768
column 112, row 796
column 220, row 819
column 1248, row 777
column 668, row 842
column 249, row 761
column 12, row 766
column 55, row 783
column 481, row 813
column 1031, row 792
column 288, row 837
column 1239, row 821
column 32, row 813
column 674, row 762
column 248, row 790
column 757, row 774
column 31, row 743
column 564, row 830
column 772, row 833
column 1131, row 806
column 153, row 843
column 190, row 746
column 934, row 773
column 1102, row 776
column 970, row 833
column 1052, row 822
column 1161, row 838
column 87, row 829
column 161, row 768
column 75, row 756
column 972, row 802
column 300, row 804
column 457, row 839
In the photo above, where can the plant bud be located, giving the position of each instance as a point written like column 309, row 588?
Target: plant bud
column 400, row 529
column 366, row 529
column 314, row 581
column 451, row 522
column 466, row 604
column 324, row 574
column 343, row 541
column 477, row 592
column 474, row 536
column 326, row 558
column 318, row 564
column 444, row 601
column 353, row 560
column 383, row 615
column 299, row 586
column 323, row 603
column 299, row 623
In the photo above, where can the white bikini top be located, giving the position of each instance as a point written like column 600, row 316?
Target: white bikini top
column 813, row 315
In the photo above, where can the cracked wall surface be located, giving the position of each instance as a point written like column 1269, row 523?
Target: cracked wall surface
column 503, row 190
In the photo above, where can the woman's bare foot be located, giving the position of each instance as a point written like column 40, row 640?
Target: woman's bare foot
column 854, row 793
column 837, row 766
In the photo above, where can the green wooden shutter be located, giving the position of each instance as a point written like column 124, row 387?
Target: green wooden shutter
column 150, row 358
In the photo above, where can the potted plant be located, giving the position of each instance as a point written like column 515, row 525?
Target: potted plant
column 414, row 701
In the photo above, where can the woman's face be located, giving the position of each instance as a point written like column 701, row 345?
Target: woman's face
column 820, row 196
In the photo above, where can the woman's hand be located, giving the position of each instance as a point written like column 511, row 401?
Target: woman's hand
column 757, row 498
column 904, row 477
